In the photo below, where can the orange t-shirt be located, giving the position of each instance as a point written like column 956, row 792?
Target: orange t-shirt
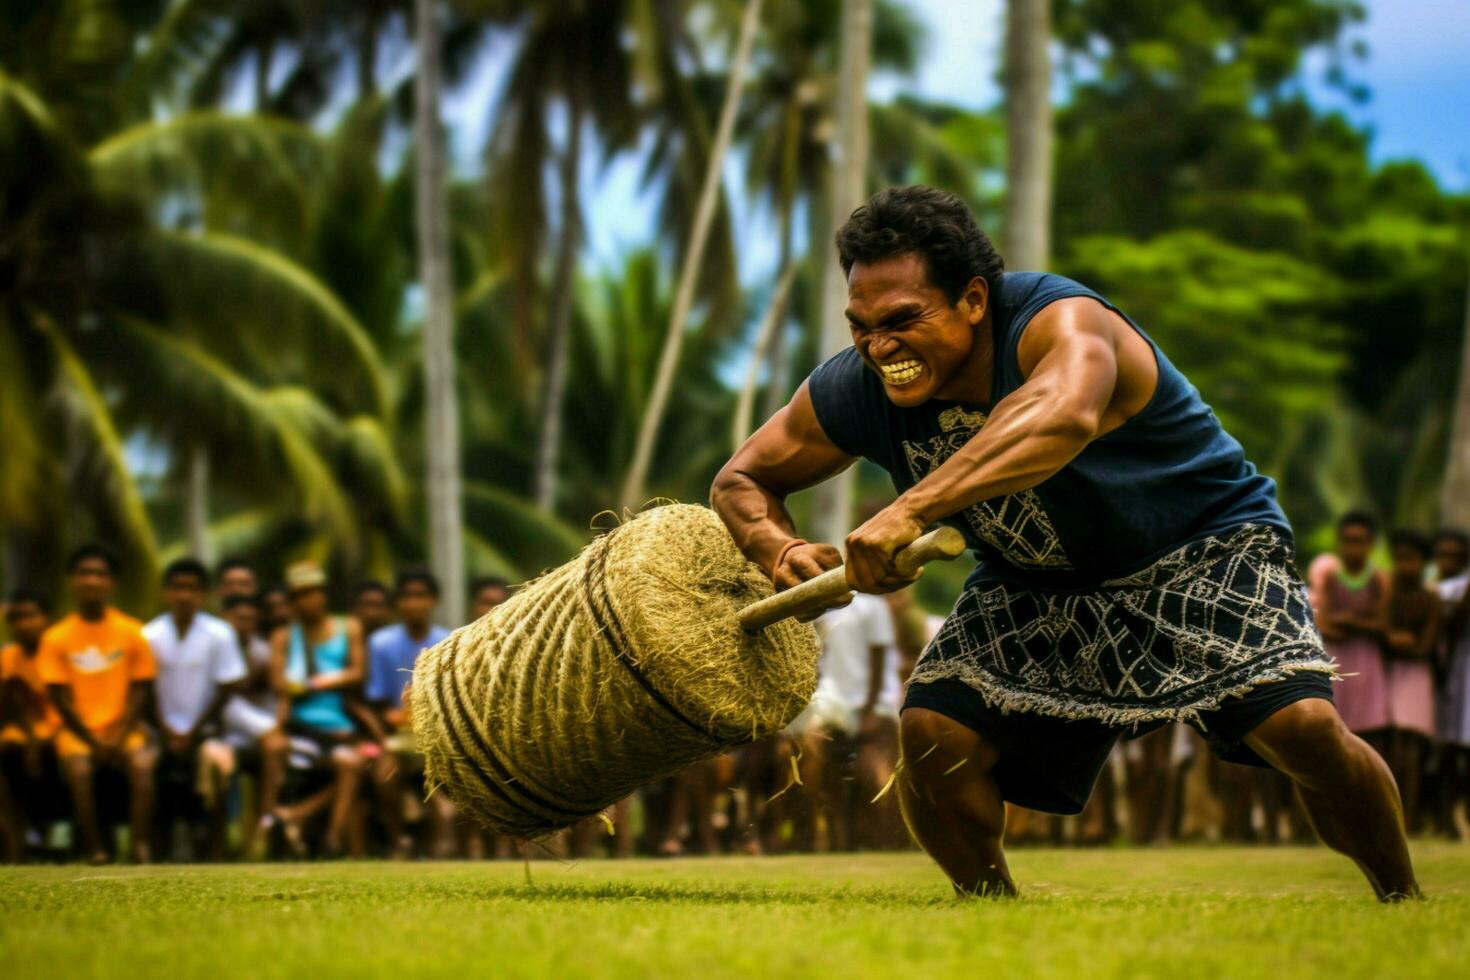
column 98, row 661
column 38, row 708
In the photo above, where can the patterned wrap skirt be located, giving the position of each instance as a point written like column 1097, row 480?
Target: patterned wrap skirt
column 1209, row 621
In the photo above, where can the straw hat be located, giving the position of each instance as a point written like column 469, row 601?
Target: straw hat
column 302, row 576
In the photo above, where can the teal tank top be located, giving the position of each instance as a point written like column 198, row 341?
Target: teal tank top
column 323, row 710
column 1167, row 476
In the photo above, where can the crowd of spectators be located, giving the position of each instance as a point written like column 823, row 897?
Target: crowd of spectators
column 272, row 727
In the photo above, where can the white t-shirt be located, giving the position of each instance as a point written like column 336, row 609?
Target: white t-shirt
column 848, row 635
column 192, row 667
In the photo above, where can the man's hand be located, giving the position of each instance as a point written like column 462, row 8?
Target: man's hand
column 870, row 550
column 802, row 562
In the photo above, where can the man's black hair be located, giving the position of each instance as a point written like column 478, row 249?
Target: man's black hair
column 237, row 600
column 369, row 585
column 484, row 582
column 1453, row 534
column 1358, row 518
column 186, row 566
column 98, row 550
column 232, row 563
column 417, row 574
column 19, row 596
column 932, row 224
column 1407, row 538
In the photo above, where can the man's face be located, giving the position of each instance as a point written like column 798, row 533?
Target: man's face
column 371, row 609
column 91, row 582
column 244, row 618
column 309, row 604
column 277, row 607
column 1354, row 542
column 184, row 595
column 1408, row 563
column 26, row 622
column 415, row 603
column 488, row 598
column 237, row 581
column 906, row 329
column 1450, row 558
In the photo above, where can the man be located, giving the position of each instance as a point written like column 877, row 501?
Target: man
column 235, row 577
column 200, row 667
column 487, row 593
column 1451, row 554
column 371, row 606
column 99, row 671
column 392, row 652
column 1135, row 569
column 250, row 715
column 28, row 723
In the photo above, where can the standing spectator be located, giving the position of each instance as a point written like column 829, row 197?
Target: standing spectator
column 316, row 666
column 1413, row 631
column 28, row 723
column 1454, row 720
column 99, row 671
column 371, row 607
column 392, row 652
column 200, row 667
column 486, row 593
column 1352, row 614
column 1451, row 554
column 235, row 577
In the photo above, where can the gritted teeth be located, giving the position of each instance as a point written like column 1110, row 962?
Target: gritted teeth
column 902, row 372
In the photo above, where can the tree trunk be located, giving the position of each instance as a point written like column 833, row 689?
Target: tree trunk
column 765, row 336
column 548, row 451
column 1454, row 508
column 196, row 504
column 778, row 374
column 832, row 507
column 446, row 548
column 1029, row 127
column 264, row 57
column 668, row 363
column 367, row 55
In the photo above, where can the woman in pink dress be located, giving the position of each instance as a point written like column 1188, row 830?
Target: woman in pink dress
column 1414, row 618
column 1352, row 612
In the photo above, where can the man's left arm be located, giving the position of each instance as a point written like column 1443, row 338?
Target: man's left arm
column 1069, row 356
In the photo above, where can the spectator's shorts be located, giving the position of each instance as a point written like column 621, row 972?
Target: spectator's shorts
column 1218, row 634
column 68, row 744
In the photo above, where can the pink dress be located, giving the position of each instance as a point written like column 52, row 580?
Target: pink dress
column 1411, row 690
column 1362, row 694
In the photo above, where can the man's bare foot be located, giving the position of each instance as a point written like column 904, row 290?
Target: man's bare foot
column 142, row 854
column 671, row 848
column 98, row 857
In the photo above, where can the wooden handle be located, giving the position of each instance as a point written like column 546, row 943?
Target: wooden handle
column 830, row 587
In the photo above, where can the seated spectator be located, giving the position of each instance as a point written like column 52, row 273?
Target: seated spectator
column 250, row 715
column 372, row 607
column 99, row 671
column 392, row 651
column 275, row 610
column 486, row 593
column 200, row 667
column 28, row 723
column 316, row 667
column 235, row 577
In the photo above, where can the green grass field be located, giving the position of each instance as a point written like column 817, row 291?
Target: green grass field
column 1184, row 912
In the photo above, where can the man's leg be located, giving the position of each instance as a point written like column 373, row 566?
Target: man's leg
column 1346, row 789
column 951, row 802
column 140, row 762
column 347, row 767
column 78, row 771
column 389, row 791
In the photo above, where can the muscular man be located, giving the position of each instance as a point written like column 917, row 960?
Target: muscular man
column 1134, row 568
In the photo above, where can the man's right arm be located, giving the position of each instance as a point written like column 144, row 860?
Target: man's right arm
column 67, row 709
column 789, row 453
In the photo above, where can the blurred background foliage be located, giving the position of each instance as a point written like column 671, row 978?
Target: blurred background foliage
column 210, row 316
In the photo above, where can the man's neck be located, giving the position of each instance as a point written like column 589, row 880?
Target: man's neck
column 972, row 384
column 182, row 621
column 30, row 649
column 93, row 613
column 417, row 631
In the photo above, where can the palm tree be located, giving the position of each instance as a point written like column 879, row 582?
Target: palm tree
column 832, row 506
column 637, row 475
column 1029, row 123
column 1454, row 508
column 444, row 501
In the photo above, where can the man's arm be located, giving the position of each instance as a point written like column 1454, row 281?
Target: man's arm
column 67, row 708
column 139, row 695
column 1071, row 396
column 280, row 684
column 789, row 453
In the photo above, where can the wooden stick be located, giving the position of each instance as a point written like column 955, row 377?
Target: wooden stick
column 831, row 586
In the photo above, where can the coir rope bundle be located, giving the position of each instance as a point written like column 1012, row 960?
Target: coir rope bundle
column 619, row 668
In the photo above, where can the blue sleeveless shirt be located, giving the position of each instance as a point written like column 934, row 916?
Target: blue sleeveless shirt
column 1167, row 476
